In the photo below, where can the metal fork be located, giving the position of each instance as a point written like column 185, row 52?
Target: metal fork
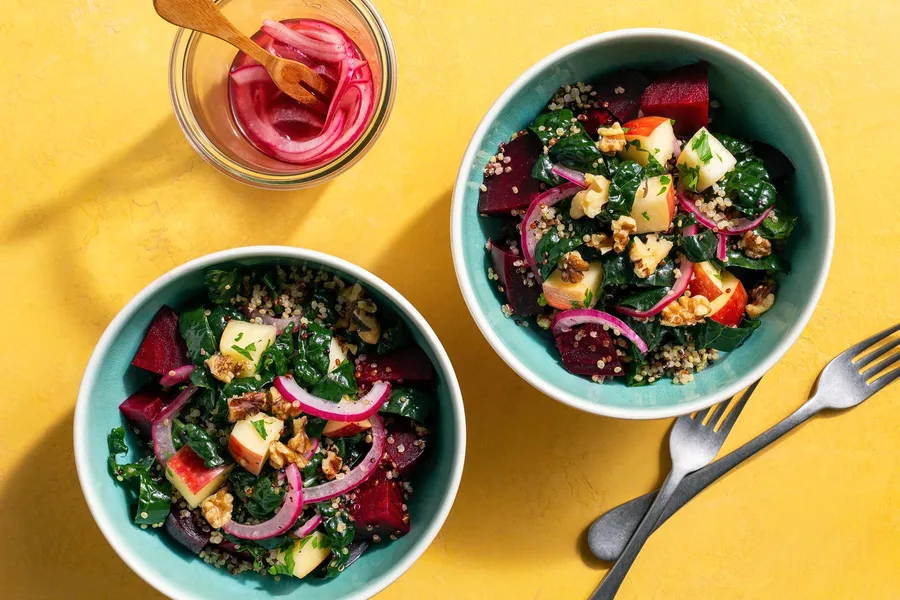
column 693, row 443
column 843, row 384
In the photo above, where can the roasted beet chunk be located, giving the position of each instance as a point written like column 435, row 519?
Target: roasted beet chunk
column 584, row 347
column 162, row 349
column 187, row 531
column 513, row 274
column 513, row 190
column 595, row 118
column 405, row 445
column 378, row 507
column 142, row 407
column 408, row 365
column 681, row 94
column 620, row 93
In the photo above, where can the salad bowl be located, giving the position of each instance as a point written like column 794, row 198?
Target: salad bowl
column 751, row 104
column 158, row 559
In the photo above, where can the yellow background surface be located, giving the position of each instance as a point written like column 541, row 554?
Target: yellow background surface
column 101, row 194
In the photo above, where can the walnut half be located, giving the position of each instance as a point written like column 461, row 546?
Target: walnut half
column 687, row 310
column 755, row 246
column 224, row 368
column 572, row 267
column 217, row 508
column 762, row 297
column 622, row 228
column 612, row 138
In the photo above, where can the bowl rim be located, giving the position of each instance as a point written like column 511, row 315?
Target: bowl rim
column 131, row 556
column 456, row 235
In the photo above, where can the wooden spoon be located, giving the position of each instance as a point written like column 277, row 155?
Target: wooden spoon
column 204, row 16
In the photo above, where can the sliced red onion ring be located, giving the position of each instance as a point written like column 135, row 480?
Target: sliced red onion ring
column 722, row 247
column 279, row 324
column 741, row 225
column 312, row 449
column 161, row 430
column 344, row 411
column 281, row 523
column 566, row 320
column 176, row 376
column 296, row 113
column 316, row 49
column 687, row 270
column 570, row 175
column 358, row 475
column 551, row 197
column 251, row 74
column 308, row 527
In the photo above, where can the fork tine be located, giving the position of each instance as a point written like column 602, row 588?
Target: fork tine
column 717, row 414
column 883, row 366
column 736, row 411
column 869, row 341
column 870, row 358
column 701, row 416
column 885, row 380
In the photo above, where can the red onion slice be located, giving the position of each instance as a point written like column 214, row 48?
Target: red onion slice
column 570, row 175
column 176, row 376
column 741, row 225
column 566, row 320
column 251, row 74
column 722, row 247
column 296, row 113
column 308, row 527
column 358, row 475
column 161, row 430
column 344, row 411
column 279, row 324
column 681, row 284
column 315, row 49
column 312, row 449
column 281, row 523
column 551, row 197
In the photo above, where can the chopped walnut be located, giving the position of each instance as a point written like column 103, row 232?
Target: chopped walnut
column 572, row 267
column 281, row 456
column 300, row 442
column 612, row 139
column 331, row 465
column 589, row 202
column 281, row 408
column 217, row 508
column 646, row 256
column 755, row 246
column 224, row 368
column 359, row 314
column 762, row 297
column 687, row 310
column 245, row 406
column 622, row 228
column 601, row 242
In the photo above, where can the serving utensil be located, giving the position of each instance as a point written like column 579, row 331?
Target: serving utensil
column 293, row 78
column 844, row 383
column 693, row 443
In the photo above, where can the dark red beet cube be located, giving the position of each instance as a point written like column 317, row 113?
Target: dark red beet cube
column 142, row 407
column 521, row 291
column 681, row 94
column 405, row 446
column 595, row 118
column 516, row 189
column 378, row 507
column 408, row 365
column 584, row 347
column 187, row 531
column 162, row 349
column 620, row 94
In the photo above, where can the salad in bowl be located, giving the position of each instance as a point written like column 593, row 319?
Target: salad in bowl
column 281, row 423
column 642, row 236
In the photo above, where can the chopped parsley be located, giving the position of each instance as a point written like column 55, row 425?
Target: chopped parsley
column 701, row 145
column 260, row 427
column 645, row 215
column 690, row 177
column 245, row 351
column 239, row 336
column 542, row 300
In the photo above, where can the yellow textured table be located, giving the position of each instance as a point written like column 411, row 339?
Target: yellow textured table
column 101, row 194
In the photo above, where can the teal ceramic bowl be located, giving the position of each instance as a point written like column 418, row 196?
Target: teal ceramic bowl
column 754, row 105
column 171, row 569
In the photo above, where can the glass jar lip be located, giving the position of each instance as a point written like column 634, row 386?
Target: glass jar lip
column 211, row 153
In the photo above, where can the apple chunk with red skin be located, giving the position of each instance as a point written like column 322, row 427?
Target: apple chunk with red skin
column 648, row 136
column 562, row 295
column 725, row 292
column 654, row 205
column 339, row 429
column 189, row 475
column 248, row 447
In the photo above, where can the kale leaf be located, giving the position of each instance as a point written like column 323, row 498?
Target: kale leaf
column 625, row 178
column 542, row 171
column 199, row 441
column 710, row 334
column 409, row 403
column 701, row 247
column 773, row 262
column 573, row 147
column 154, row 494
column 738, row 148
column 243, row 385
column 645, row 299
column 335, row 385
column 197, row 334
column 276, row 359
column 778, row 224
column 222, row 285
column 551, row 247
column 259, row 494
column 749, row 186
column 218, row 318
column 311, row 362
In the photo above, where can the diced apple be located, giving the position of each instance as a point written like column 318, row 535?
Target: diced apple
column 654, row 205
column 189, row 475
column 336, row 354
column 307, row 554
column 708, row 156
column 245, row 342
column 248, row 447
column 728, row 309
column 590, row 202
column 649, row 136
column 706, row 281
column 564, row 296
column 339, row 429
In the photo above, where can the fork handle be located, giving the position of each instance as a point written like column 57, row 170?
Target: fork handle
column 611, row 583
column 610, row 533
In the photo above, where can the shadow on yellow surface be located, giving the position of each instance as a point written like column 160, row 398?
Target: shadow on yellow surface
column 509, row 423
column 43, row 516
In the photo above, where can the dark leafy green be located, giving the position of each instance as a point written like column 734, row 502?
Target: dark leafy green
column 315, row 426
column 312, row 472
column 748, row 184
column 573, row 147
column 276, row 359
column 311, row 362
column 738, row 148
column 194, row 328
column 778, row 225
column 651, row 331
column 553, row 124
column 339, row 533
column 644, row 299
column 551, row 248
column 222, row 285
column 154, row 494
column 700, row 247
column 710, row 334
column 337, row 384
column 200, row 442
column 394, row 335
column 578, row 151
column 259, row 494
column 409, row 403
column 542, row 171
column 243, row 385
column 626, row 177
column 325, row 301
column 773, row 262
column 218, row 318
